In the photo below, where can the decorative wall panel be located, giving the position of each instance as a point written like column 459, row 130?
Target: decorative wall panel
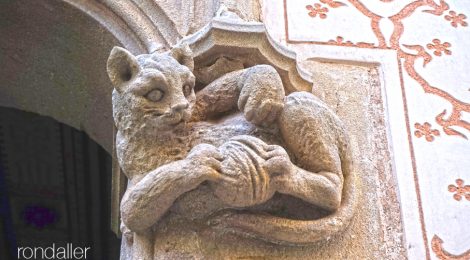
column 421, row 50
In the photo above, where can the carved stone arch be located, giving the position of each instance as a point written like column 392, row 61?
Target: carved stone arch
column 53, row 56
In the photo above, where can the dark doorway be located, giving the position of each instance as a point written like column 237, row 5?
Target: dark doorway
column 55, row 187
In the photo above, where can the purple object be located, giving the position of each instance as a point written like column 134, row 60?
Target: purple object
column 38, row 216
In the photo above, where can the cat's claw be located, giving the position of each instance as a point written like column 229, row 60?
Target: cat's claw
column 204, row 160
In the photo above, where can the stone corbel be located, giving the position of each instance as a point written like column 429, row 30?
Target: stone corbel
column 232, row 38
column 247, row 43
column 228, row 43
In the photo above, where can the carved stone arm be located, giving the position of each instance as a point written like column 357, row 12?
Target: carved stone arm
column 321, row 186
column 218, row 97
column 147, row 200
column 318, row 139
column 256, row 91
column 322, row 189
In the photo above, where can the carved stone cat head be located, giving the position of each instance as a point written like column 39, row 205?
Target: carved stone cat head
column 151, row 91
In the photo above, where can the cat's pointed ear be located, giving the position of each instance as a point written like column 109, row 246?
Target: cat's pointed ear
column 122, row 66
column 183, row 54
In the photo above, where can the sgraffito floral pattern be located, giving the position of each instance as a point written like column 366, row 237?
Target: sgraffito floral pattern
column 456, row 19
column 412, row 57
column 340, row 41
column 439, row 47
column 409, row 54
column 332, row 3
column 426, row 131
column 321, row 10
column 460, row 190
column 441, row 253
column 317, row 9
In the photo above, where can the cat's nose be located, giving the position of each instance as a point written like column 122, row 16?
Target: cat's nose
column 180, row 106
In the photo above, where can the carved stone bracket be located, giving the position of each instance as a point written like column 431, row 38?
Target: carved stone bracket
column 225, row 120
column 246, row 42
column 250, row 44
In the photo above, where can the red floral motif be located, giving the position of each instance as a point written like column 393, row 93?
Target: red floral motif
column 317, row 9
column 439, row 47
column 460, row 190
column 455, row 19
column 426, row 131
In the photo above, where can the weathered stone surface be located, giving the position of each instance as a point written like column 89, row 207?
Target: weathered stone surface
column 292, row 145
column 354, row 92
column 221, row 66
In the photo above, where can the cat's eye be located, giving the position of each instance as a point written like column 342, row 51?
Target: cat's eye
column 187, row 90
column 155, row 95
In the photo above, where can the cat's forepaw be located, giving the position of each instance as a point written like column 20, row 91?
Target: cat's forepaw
column 262, row 95
column 204, row 162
